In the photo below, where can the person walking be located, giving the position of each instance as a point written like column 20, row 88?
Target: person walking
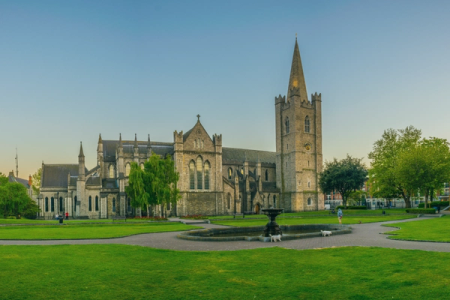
column 67, row 215
column 340, row 214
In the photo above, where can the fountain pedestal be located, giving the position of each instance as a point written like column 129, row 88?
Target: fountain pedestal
column 272, row 227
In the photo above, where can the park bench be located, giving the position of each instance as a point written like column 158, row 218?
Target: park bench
column 234, row 216
column 119, row 218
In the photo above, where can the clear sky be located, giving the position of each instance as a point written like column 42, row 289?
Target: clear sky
column 70, row 70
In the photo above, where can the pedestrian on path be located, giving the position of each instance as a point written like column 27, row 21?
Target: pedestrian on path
column 67, row 215
column 340, row 214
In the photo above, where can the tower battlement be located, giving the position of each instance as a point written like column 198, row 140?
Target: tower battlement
column 178, row 137
column 316, row 97
column 280, row 99
column 217, row 139
column 295, row 91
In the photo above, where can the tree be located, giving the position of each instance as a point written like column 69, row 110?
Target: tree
column 36, row 185
column 3, row 179
column 14, row 201
column 344, row 176
column 155, row 185
column 384, row 173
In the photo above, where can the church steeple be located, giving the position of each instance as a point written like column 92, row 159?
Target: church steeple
column 297, row 85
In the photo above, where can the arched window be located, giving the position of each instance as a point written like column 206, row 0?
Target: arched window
column 309, row 201
column 52, row 204
column 192, row 175
column 60, row 204
column 287, row 125
column 90, row 203
column 309, row 183
column 242, row 171
column 111, row 171
column 267, row 175
column 274, row 201
column 230, row 173
column 74, row 203
column 307, row 124
column 127, row 170
column 229, row 201
column 46, row 203
column 96, row 203
column 199, row 173
column 207, row 167
column 114, row 205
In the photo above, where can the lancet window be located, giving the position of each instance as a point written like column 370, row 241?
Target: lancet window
column 307, row 124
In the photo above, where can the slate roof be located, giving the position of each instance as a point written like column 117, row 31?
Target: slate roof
column 56, row 175
column 109, row 183
column 109, row 148
column 24, row 182
column 238, row 156
column 93, row 180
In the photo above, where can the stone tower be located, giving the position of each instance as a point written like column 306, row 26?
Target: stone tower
column 81, row 205
column 299, row 143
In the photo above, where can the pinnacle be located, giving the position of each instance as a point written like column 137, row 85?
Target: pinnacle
column 81, row 150
column 297, row 78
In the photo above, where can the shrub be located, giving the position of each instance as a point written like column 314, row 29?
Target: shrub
column 435, row 204
column 421, row 210
column 195, row 217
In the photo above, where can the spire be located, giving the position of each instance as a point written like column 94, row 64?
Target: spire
column 148, row 143
column 297, row 79
column 81, row 150
column 135, row 141
column 100, row 138
column 120, row 140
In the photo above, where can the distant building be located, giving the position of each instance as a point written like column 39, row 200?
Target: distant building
column 214, row 180
column 24, row 182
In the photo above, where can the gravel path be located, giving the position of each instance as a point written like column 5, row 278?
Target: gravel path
column 366, row 235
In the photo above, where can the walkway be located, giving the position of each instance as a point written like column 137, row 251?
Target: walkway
column 365, row 235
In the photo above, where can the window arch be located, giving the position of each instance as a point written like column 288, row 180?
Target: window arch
column 52, row 204
column 96, row 203
column 207, row 168
column 90, row 203
column 230, row 173
column 309, row 201
column 60, row 204
column 199, row 173
column 267, row 175
column 229, row 201
column 127, row 169
column 114, row 205
column 309, row 183
column 307, row 124
column 74, row 203
column 46, row 203
column 286, row 123
column 192, row 175
column 111, row 171
column 274, row 201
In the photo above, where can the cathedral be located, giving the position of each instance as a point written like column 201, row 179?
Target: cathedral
column 214, row 180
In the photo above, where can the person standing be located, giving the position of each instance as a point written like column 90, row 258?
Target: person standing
column 67, row 215
column 340, row 214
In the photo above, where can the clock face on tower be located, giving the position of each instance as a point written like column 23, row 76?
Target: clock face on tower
column 308, row 147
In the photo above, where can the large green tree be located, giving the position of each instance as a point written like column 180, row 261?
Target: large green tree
column 384, row 176
column 14, row 200
column 345, row 176
column 156, row 184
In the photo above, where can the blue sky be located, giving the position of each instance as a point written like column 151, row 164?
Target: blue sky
column 70, row 70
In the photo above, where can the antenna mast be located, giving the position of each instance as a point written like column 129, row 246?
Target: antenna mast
column 17, row 164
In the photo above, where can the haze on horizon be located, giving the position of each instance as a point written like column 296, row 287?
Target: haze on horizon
column 70, row 70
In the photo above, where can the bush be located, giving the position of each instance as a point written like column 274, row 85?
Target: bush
column 195, row 217
column 350, row 207
column 435, row 204
column 421, row 210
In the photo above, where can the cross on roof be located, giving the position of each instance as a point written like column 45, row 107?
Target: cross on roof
column 198, row 116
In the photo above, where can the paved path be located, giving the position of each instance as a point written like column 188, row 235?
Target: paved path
column 366, row 235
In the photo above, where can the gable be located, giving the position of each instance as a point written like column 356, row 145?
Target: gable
column 197, row 139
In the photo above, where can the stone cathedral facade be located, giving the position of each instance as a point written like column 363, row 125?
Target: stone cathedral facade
column 214, row 180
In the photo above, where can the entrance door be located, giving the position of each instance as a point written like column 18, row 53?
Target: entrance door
column 257, row 208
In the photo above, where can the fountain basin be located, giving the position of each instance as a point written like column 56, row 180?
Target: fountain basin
column 256, row 233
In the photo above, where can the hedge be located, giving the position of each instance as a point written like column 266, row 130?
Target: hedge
column 435, row 203
column 350, row 207
column 421, row 210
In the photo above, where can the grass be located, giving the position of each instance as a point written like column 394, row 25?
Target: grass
column 81, row 231
column 435, row 230
column 133, row 272
column 313, row 220
column 53, row 221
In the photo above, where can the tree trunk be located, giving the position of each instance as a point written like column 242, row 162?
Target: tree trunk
column 407, row 201
column 426, row 199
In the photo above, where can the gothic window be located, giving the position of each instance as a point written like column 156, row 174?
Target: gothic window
column 229, row 201
column 309, row 201
column 90, row 203
column 60, row 204
column 96, row 203
column 111, row 171
column 199, row 173
column 202, row 144
column 307, row 124
column 52, row 204
column 114, row 205
column 309, row 183
column 274, row 201
column 127, row 170
column 230, row 173
column 287, row 125
column 267, row 175
column 207, row 167
column 46, row 203
column 74, row 203
column 192, row 175
column 308, row 163
column 242, row 171
column 195, row 144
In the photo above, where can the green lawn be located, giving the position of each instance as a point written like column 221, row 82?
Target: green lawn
column 28, row 221
column 133, row 272
column 313, row 220
column 436, row 230
column 60, row 232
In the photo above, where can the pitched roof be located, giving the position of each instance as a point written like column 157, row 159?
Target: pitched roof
column 110, row 146
column 238, row 156
column 57, row 175
column 24, row 182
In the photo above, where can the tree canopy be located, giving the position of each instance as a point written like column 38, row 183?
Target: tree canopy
column 154, row 185
column 345, row 176
column 14, row 200
column 36, row 185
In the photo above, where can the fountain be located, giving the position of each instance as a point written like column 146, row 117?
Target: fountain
column 272, row 228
